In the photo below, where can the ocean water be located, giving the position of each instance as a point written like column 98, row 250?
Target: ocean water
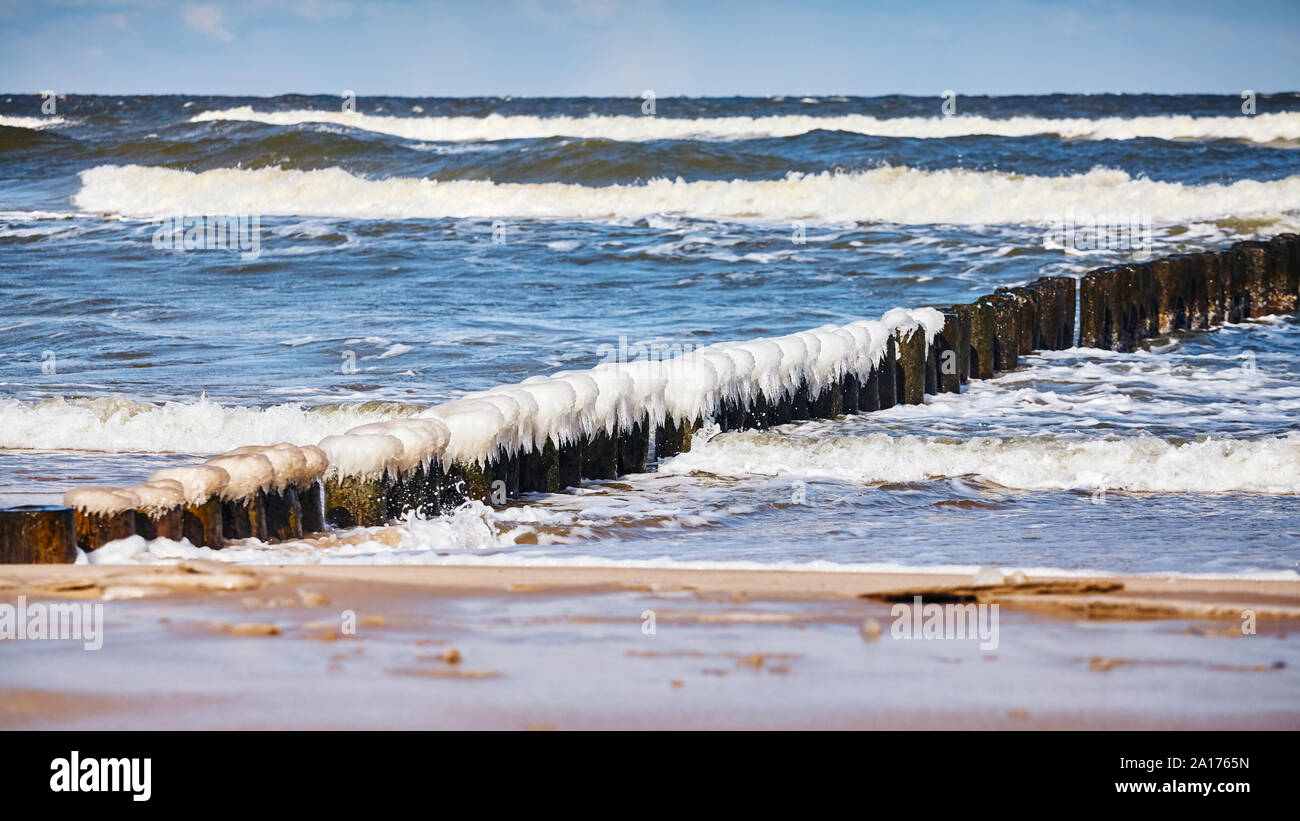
column 417, row 249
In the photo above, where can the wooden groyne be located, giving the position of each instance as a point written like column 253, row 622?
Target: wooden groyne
column 552, row 432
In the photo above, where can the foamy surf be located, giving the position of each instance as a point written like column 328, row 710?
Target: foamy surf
column 1261, row 129
column 891, row 194
column 1144, row 463
column 119, row 425
column 33, row 123
column 478, row 536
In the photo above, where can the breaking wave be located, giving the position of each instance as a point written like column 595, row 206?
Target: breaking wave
column 891, row 194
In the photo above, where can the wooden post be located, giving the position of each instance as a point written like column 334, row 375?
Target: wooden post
column 982, row 334
column 1251, row 277
column 634, row 447
column 38, row 534
column 159, row 512
column 1006, row 331
column 201, row 513
column 103, row 515
column 886, row 377
column 953, row 350
column 1285, row 283
column 600, row 457
column 911, row 359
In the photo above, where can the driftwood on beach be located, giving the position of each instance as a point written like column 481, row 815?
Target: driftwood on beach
column 495, row 445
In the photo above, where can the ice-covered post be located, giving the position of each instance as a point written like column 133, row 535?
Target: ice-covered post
column 201, row 512
column 159, row 512
column 103, row 515
column 357, row 479
column 243, row 502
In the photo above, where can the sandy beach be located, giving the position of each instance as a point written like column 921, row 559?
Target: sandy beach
column 208, row 645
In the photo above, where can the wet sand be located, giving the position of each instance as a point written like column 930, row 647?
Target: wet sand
column 209, row 645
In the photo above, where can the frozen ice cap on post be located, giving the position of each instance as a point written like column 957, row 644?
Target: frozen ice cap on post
column 612, row 410
column 249, row 473
column 159, row 496
column 362, row 455
column 317, row 462
column 423, row 440
column 198, row 482
column 556, row 408
column 647, row 391
column 930, row 319
column 691, row 387
column 288, row 464
column 101, row 501
column 477, row 430
column 527, row 414
column 586, row 393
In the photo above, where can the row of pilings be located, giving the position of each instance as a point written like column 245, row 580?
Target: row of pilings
column 1117, row 307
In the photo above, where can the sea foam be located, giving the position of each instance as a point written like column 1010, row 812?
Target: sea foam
column 1261, row 128
column 891, row 194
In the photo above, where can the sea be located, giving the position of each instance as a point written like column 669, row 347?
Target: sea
column 182, row 275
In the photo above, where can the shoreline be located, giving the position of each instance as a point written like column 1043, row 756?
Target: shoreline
column 205, row 645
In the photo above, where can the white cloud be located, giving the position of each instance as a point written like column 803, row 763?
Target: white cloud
column 208, row 18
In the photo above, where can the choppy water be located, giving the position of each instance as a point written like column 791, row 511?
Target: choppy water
column 422, row 248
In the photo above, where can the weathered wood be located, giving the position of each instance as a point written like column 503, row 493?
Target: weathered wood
column 351, row 501
column 1006, row 331
column 953, row 351
column 911, row 361
column 1251, row 277
column 1284, row 290
column 38, row 534
column 160, row 524
column 887, row 380
column 94, row 530
column 570, row 464
column 633, row 448
column 201, row 524
column 283, row 514
column 850, row 393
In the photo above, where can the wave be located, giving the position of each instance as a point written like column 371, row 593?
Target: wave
column 33, row 123
column 1262, row 128
column 1142, row 464
column 891, row 194
column 478, row 536
column 120, row 425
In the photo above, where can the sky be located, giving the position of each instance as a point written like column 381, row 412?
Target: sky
column 621, row 48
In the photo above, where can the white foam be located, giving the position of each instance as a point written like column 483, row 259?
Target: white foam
column 1260, row 128
column 31, row 123
column 894, row 195
column 118, row 425
column 1144, row 463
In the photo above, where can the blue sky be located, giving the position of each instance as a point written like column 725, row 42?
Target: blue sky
column 619, row 47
